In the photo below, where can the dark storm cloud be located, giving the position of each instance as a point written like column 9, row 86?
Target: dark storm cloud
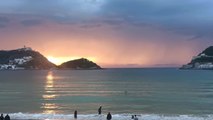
column 113, row 21
column 194, row 16
column 61, row 19
column 159, row 11
column 45, row 7
column 4, row 20
column 101, row 22
column 31, row 22
column 27, row 6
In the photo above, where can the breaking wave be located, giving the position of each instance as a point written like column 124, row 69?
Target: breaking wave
column 115, row 116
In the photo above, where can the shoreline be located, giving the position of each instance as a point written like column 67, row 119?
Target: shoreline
column 22, row 116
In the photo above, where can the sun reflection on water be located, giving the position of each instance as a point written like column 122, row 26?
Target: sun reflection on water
column 49, row 97
column 49, row 108
column 49, row 81
column 50, row 76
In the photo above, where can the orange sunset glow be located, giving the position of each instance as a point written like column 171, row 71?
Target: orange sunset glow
column 109, row 38
column 60, row 60
column 106, row 59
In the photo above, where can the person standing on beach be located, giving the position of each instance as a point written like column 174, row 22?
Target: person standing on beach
column 2, row 117
column 99, row 110
column 7, row 117
column 136, row 118
column 109, row 116
column 75, row 114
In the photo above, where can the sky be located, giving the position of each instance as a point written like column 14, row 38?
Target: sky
column 112, row 33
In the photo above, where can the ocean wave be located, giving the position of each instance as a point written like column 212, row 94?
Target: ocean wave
column 115, row 116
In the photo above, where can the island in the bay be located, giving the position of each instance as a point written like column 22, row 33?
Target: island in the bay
column 203, row 60
column 27, row 58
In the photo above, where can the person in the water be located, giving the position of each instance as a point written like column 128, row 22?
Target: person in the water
column 2, row 117
column 7, row 117
column 135, row 118
column 109, row 116
column 75, row 114
column 100, row 110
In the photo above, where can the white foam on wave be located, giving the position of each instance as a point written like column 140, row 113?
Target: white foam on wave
column 115, row 117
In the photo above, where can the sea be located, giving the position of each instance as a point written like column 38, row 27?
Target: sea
column 149, row 93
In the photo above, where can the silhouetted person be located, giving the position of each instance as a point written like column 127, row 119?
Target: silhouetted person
column 109, row 116
column 75, row 114
column 2, row 117
column 99, row 110
column 7, row 117
column 133, row 116
column 136, row 118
